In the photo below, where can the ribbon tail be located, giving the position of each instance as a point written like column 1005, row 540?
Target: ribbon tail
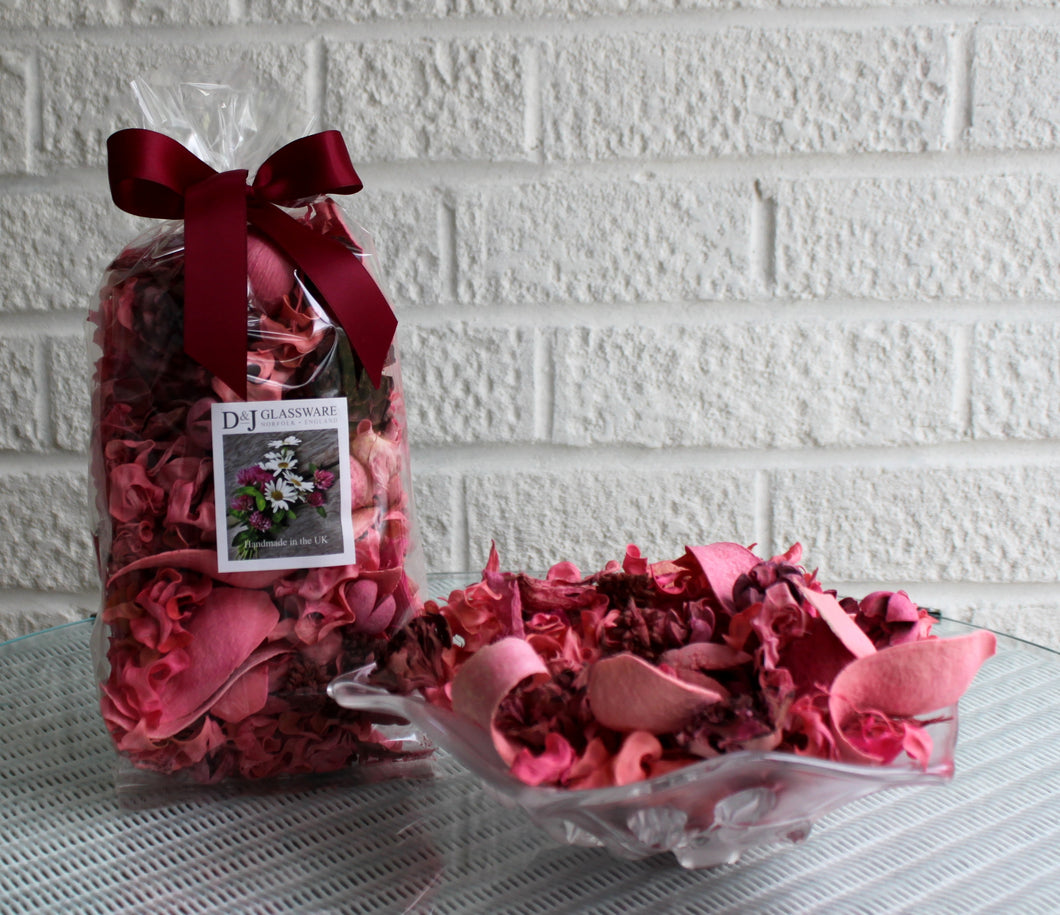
column 344, row 283
column 215, row 279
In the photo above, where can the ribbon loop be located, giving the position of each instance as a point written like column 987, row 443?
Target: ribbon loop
column 298, row 170
column 153, row 175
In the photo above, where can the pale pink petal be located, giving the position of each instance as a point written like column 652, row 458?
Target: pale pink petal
column 245, row 697
column 487, row 677
column 626, row 693
column 904, row 680
column 172, row 725
column 203, row 561
column 564, row 572
column 814, row 660
column 845, row 629
column 548, row 768
column 917, row 743
column 270, row 274
column 705, row 656
column 722, row 564
column 225, row 630
column 634, row 563
column 634, row 760
column 915, row 677
column 593, row 767
column 376, row 622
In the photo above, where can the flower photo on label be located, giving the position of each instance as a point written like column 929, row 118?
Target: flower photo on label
column 269, row 496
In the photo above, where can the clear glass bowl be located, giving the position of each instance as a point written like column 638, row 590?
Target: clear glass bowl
column 706, row 814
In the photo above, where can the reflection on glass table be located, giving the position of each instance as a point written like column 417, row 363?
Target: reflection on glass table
column 435, row 840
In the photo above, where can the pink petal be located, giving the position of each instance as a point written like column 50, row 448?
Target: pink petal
column 375, row 622
column 244, row 697
column 564, row 572
column 634, row 760
column 913, row 678
column 271, row 275
column 846, row 630
column 225, row 630
column 905, row 680
column 722, row 564
column 626, row 693
column 917, row 743
column 634, row 563
column 593, row 768
column 814, row 660
column 705, row 656
column 549, row 767
column 487, row 677
column 204, row 561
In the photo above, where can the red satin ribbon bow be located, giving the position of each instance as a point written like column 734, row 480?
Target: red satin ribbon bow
column 153, row 175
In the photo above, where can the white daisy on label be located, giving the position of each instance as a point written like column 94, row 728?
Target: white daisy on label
column 300, row 484
column 282, row 463
column 279, row 494
column 288, row 442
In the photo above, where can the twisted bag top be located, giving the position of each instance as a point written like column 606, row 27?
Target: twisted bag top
column 153, row 175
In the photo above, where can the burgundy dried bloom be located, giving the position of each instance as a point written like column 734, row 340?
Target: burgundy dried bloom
column 414, row 657
column 890, row 618
column 770, row 576
column 532, row 711
column 642, row 619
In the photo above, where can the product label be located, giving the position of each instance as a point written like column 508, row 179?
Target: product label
column 282, row 484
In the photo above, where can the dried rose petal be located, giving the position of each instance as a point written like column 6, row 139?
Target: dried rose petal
column 705, row 656
column 723, row 564
column 203, row 561
column 487, row 677
column 626, row 693
column 655, row 665
column 913, row 678
column 845, row 629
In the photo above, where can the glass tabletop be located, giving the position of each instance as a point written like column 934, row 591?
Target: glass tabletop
column 435, row 841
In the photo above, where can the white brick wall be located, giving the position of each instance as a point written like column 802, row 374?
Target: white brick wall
column 668, row 272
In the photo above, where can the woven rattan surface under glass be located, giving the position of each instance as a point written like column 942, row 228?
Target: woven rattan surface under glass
column 434, row 841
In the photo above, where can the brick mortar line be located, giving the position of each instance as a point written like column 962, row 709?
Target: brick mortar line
column 963, row 378
column 958, row 118
column 449, row 267
column 34, row 112
column 699, row 314
column 13, row 597
column 735, row 170
column 762, row 256
column 18, row 463
column 763, row 513
column 43, row 400
column 317, row 79
column 461, row 540
column 534, row 126
column 544, row 375
column 55, row 324
column 778, row 311
column 590, row 25
column 520, row 457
